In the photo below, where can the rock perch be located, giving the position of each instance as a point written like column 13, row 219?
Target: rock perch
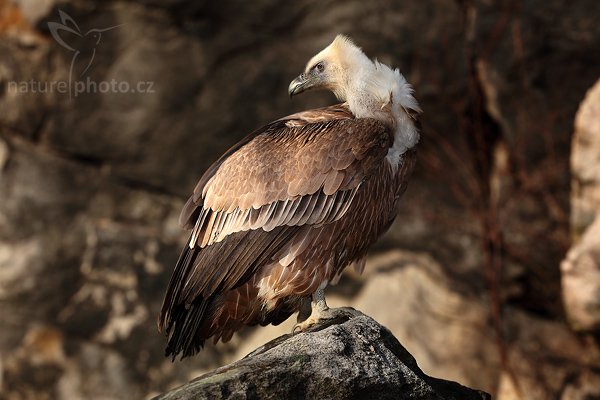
column 353, row 359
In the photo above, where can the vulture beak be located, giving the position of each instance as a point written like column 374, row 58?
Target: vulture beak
column 302, row 83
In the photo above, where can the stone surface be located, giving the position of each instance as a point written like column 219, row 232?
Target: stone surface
column 581, row 281
column 356, row 359
column 585, row 162
column 581, row 267
column 432, row 318
column 548, row 361
column 91, row 185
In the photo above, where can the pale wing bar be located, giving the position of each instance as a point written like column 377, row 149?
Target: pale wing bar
column 212, row 227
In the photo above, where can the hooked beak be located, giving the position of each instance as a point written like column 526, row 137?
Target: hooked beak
column 302, row 83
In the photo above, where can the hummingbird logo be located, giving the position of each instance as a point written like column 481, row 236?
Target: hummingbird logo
column 83, row 45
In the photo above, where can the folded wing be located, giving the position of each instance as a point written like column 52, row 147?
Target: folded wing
column 303, row 170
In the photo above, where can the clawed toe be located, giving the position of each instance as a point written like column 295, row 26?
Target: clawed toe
column 305, row 325
column 297, row 329
column 319, row 312
column 329, row 315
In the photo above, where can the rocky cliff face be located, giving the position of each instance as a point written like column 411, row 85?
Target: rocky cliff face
column 91, row 182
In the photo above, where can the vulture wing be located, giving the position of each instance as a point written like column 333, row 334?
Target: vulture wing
column 298, row 171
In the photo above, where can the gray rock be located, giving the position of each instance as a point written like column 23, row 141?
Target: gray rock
column 357, row 359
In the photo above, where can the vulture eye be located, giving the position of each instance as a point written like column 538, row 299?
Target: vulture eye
column 320, row 66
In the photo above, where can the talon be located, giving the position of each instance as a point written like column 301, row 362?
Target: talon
column 320, row 312
column 304, row 325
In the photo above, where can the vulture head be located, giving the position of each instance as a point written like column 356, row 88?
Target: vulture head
column 335, row 68
column 371, row 89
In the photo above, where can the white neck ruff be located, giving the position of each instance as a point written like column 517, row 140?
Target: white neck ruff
column 384, row 94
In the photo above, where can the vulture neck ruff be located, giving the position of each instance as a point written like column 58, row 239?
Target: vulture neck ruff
column 374, row 90
column 384, row 94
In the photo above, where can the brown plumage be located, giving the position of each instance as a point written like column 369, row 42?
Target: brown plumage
column 282, row 213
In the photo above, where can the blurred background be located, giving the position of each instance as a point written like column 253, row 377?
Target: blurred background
column 111, row 111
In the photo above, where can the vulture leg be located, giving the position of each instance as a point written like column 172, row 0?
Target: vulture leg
column 320, row 312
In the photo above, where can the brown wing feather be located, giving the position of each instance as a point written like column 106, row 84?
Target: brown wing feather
column 285, row 163
column 301, row 170
column 284, row 166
